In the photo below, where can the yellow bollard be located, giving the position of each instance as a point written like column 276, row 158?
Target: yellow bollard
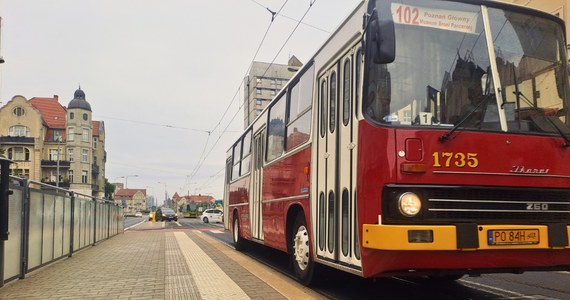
column 154, row 216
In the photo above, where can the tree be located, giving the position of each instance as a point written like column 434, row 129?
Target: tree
column 109, row 189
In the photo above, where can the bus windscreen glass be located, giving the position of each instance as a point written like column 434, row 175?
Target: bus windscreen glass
column 442, row 73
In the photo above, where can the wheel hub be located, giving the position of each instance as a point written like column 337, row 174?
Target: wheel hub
column 301, row 247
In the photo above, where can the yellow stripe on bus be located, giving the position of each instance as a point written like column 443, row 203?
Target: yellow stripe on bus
column 395, row 237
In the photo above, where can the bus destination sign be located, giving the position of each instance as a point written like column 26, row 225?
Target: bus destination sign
column 461, row 21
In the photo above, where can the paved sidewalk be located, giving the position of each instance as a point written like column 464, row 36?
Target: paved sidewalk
column 157, row 264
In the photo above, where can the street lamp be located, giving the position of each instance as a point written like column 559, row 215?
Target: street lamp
column 127, row 178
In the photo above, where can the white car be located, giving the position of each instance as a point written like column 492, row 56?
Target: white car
column 212, row 215
column 138, row 214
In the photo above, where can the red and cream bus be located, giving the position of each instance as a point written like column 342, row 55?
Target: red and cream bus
column 425, row 137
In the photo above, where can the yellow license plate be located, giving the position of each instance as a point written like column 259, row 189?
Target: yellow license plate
column 513, row 237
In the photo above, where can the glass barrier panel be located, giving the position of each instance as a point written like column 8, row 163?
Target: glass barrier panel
column 13, row 246
column 35, row 236
column 48, row 222
column 58, row 227
column 66, row 225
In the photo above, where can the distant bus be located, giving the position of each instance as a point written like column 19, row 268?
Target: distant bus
column 424, row 138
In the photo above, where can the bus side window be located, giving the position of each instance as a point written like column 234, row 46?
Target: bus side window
column 299, row 119
column 246, row 160
column 237, row 159
column 276, row 129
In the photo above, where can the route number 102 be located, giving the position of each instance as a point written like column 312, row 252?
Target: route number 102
column 408, row 15
column 460, row 160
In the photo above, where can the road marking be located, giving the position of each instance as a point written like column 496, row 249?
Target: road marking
column 490, row 289
column 211, row 280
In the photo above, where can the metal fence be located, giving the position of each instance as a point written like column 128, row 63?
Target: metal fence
column 46, row 223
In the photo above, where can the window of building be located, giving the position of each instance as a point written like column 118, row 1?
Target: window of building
column 85, row 135
column 58, row 135
column 258, row 91
column 71, row 134
column 71, row 116
column 273, row 92
column 19, row 111
column 85, row 117
column 84, row 176
column 53, row 154
column 85, row 155
column 70, row 154
column 19, row 131
column 19, row 154
column 70, row 176
column 95, row 143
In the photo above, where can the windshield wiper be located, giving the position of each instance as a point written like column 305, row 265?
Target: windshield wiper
column 446, row 136
column 565, row 137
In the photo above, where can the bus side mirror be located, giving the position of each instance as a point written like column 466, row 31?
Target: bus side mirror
column 383, row 41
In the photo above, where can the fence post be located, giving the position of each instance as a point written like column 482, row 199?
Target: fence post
column 24, row 246
column 94, row 222
column 72, row 224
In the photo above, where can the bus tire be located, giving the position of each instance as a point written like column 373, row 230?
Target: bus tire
column 239, row 242
column 303, row 264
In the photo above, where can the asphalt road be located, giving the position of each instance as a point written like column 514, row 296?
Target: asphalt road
column 339, row 285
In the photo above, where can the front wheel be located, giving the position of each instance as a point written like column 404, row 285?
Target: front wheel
column 205, row 220
column 239, row 242
column 303, row 264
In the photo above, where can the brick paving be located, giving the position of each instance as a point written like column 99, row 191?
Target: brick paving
column 156, row 264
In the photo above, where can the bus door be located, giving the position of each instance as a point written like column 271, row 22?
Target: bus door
column 256, row 184
column 336, row 232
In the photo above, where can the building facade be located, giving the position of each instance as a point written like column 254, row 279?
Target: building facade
column 57, row 145
column 132, row 200
column 263, row 82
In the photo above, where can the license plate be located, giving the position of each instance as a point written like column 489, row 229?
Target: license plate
column 513, row 237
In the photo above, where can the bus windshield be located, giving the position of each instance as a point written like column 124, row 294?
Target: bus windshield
column 443, row 72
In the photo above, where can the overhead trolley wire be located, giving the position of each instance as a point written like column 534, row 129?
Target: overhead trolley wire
column 200, row 162
column 202, row 158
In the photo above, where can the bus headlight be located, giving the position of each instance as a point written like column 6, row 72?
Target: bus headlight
column 409, row 204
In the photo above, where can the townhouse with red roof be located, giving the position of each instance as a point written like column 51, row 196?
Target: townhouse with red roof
column 132, row 200
column 54, row 144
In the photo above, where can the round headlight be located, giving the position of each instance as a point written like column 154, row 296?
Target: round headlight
column 409, row 204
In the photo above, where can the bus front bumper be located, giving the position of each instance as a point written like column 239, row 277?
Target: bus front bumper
column 468, row 237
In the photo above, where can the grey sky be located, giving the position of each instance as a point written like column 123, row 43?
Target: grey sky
column 159, row 73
